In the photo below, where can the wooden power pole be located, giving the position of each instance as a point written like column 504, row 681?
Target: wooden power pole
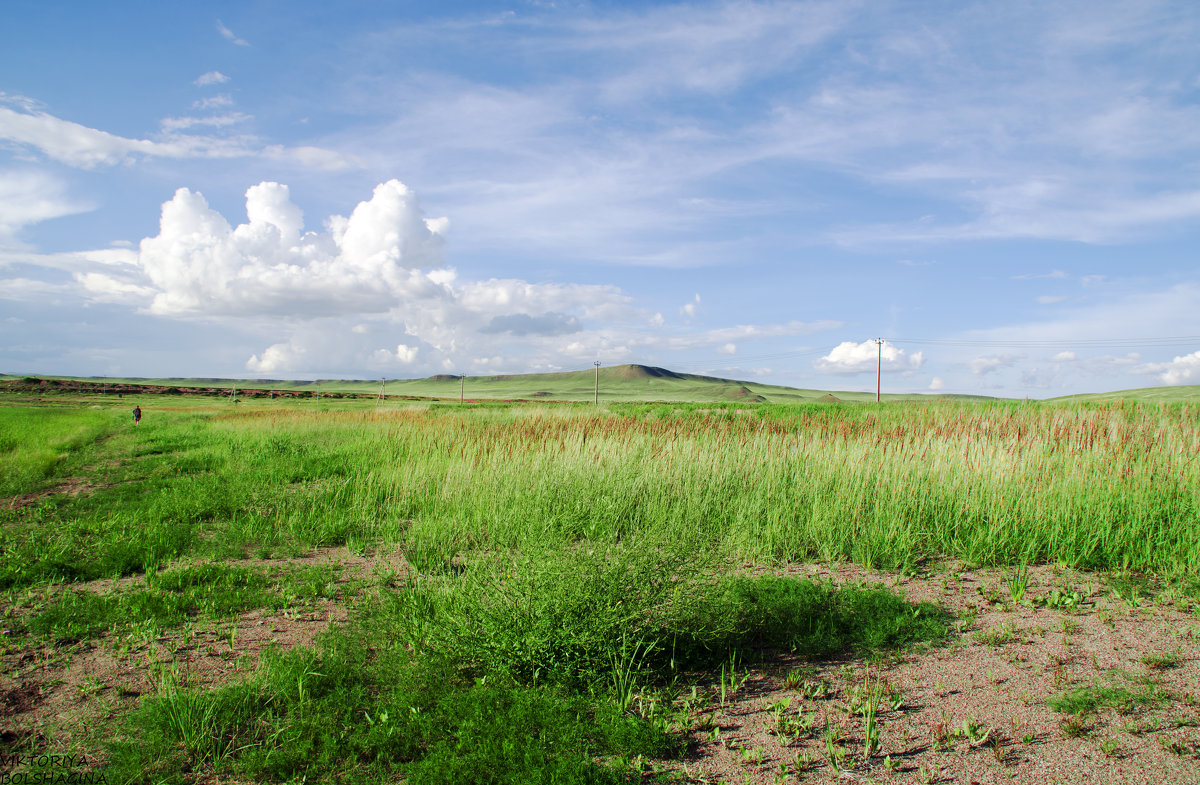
column 878, row 365
column 597, row 364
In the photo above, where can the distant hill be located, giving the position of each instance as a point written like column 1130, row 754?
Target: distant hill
column 1176, row 394
column 617, row 383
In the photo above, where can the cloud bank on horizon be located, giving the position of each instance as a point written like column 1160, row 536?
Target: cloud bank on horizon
column 1006, row 195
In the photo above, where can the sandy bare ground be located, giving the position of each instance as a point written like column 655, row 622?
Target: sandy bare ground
column 974, row 711
column 995, row 677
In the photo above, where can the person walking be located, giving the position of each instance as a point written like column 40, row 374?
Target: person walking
column 137, row 415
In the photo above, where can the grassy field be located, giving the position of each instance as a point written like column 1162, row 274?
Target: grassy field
column 617, row 383
column 573, row 586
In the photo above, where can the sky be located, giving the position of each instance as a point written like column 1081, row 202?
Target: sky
column 1008, row 194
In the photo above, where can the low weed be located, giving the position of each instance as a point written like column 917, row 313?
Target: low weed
column 168, row 598
column 1086, row 700
column 1162, row 660
column 1000, row 636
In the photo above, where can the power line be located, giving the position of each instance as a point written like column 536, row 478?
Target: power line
column 1057, row 343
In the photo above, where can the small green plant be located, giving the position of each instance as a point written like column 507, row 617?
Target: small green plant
column 973, row 732
column 625, row 669
column 90, row 686
column 1074, row 727
column 795, row 678
column 999, row 751
column 1004, row 634
column 814, row 690
column 1174, row 746
column 1162, row 660
column 1109, row 748
column 834, row 750
column 1018, row 582
column 731, row 680
column 872, row 695
column 1059, row 599
column 787, row 726
column 989, row 594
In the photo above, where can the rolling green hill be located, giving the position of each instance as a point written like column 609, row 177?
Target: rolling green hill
column 1184, row 393
column 617, row 383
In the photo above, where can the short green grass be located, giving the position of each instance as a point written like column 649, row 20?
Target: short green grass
column 1086, row 700
column 167, row 599
column 575, row 568
column 520, row 669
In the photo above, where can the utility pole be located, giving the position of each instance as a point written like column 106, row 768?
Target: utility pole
column 597, row 364
column 233, row 393
column 878, row 365
column 382, row 384
column 462, row 385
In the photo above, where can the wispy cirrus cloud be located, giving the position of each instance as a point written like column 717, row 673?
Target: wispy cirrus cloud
column 230, row 36
column 29, row 196
column 1001, row 141
column 29, row 127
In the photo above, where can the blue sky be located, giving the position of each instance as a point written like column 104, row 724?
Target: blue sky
column 1009, row 193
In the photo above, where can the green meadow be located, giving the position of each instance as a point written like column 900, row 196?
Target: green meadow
column 583, row 579
column 629, row 383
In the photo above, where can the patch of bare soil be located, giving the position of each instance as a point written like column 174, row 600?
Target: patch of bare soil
column 355, row 566
column 976, row 711
column 71, row 486
column 55, row 699
column 72, row 697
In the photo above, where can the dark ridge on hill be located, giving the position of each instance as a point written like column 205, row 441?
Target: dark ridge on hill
column 643, row 372
column 443, row 377
column 830, row 398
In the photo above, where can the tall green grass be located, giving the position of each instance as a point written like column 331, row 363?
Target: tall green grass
column 34, row 442
column 1111, row 486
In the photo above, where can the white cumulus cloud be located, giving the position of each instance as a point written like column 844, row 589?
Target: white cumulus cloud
column 199, row 264
column 1181, row 370
column 850, row 357
column 210, row 78
column 368, row 293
